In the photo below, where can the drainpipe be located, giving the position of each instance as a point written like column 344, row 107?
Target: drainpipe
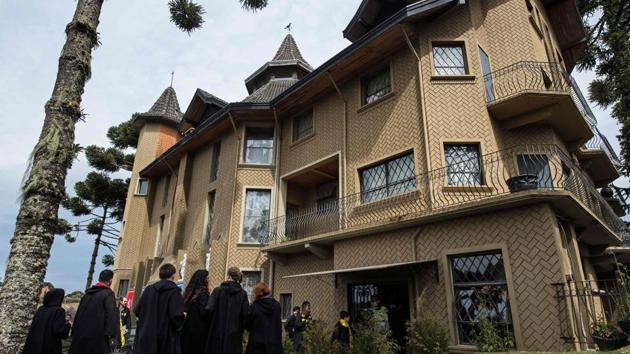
column 423, row 116
column 345, row 133
column 238, row 158
column 276, row 177
column 416, row 283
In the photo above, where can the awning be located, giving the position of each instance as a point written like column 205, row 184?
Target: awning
column 359, row 269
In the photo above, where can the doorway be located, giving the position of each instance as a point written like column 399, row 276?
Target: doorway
column 394, row 296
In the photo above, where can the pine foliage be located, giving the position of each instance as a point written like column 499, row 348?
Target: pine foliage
column 186, row 15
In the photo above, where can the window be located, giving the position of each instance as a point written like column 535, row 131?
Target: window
column 143, row 186
column 389, row 178
column 286, row 302
column 123, row 287
column 158, row 237
column 250, row 279
column 487, row 75
column 302, row 126
column 257, row 202
column 259, row 146
column 463, row 166
column 376, row 85
column 216, row 153
column 167, row 186
column 538, row 165
column 480, row 292
column 209, row 218
column 449, row 59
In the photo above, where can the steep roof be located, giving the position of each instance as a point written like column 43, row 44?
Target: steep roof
column 165, row 109
column 270, row 90
column 288, row 50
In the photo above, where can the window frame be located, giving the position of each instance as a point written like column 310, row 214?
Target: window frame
column 507, row 283
column 295, row 133
column 482, row 177
column 252, row 270
column 385, row 162
column 244, row 211
column 210, row 207
column 282, row 309
column 371, row 74
column 216, row 156
column 245, row 148
column 450, row 43
column 120, row 282
column 139, row 182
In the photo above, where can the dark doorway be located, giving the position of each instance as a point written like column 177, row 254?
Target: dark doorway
column 394, row 296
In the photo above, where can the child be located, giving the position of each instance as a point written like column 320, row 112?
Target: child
column 342, row 332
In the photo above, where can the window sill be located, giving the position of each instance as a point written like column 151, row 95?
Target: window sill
column 140, row 195
column 302, row 140
column 371, row 105
column 246, row 245
column 256, row 166
column 453, row 77
column 381, row 203
column 468, row 189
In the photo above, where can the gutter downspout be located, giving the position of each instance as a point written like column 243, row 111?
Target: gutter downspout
column 423, row 115
column 276, row 177
column 344, row 143
column 238, row 157
column 418, row 296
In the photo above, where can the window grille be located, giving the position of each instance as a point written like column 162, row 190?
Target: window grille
column 537, row 165
column 449, row 59
column 302, row 126
column 388, row 179
column 463, row 166
column 480, row 292
column 376, row 86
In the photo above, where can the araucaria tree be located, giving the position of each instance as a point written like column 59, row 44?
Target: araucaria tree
column 44, row 182
column 608, row 53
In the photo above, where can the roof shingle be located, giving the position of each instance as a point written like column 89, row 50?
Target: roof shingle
column 270, row 90
column 166, row 108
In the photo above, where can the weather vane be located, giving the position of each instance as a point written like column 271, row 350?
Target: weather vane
column 288, row 27
column 172, row 76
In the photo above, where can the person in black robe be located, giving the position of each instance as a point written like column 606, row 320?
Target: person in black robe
column 197, row 324
column 264, row 323
column 342, row 333
column 160, row 313
column 96, row 324
column 49, row 326
column 228, row 307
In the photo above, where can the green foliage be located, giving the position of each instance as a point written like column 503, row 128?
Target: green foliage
column 75, row 295
column 370, row 337
column 186, row 15
column 608, row 53
column 107, row 260
column 427, row 336
column 76, row 206
column 124, row 135
column 254, row 5
column 287, row 345
column 109, row 160
column 601, row 328
column 622, row 300
column 317, row 339
column 489, row 338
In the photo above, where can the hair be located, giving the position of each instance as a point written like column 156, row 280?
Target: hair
column 304, row 304
column 261, row 290
column 197, row 285
column 297, row 308
column 106, row 276
column 48, row 285
column 235, row 274
column 344, row 314
column 167, row 270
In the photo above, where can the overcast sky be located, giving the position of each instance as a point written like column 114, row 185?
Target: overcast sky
column 139, row 49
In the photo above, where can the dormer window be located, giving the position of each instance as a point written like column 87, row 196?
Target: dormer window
column 376, row 85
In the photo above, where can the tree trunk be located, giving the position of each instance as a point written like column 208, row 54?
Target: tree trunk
column 97, row 243
column 44, row 185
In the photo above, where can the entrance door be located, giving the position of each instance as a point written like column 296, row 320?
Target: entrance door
column 394, row 296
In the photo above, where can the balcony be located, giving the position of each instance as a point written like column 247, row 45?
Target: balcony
column 510, row 178
column 537, row 93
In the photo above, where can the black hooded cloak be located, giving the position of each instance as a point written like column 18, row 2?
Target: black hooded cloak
column 96, row 322
column 160, row 313
column 228, row 307
column 49, row 326
column 265, row 327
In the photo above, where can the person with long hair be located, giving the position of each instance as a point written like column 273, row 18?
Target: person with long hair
column 197, row 325
column 264, row 323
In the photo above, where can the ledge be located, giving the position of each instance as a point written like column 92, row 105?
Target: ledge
column 255, row 166
column 301, row 141
column 246, row 245
column 371, row 105
column 453, row 77
column 467, row 189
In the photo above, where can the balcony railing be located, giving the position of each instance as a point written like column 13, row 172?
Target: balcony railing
column 499, row 174
column 525, row 76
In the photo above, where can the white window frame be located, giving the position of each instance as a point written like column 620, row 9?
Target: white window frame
column 243, row 157
column 139, row 182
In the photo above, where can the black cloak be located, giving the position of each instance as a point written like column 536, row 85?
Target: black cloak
column 228, row 307
column 49, row 326
column 265, row 327
column 95, row 323
column 160, row 313
column 196, row 327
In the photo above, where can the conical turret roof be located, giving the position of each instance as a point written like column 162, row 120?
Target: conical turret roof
column 288, row 50
column 165, row 109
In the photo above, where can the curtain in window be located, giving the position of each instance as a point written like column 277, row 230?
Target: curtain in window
column 255, row 221
column 377, row 86
column 463, row 167
column 259, row 145
column 303, row 126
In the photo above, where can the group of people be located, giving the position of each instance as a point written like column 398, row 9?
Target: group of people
column 169, row 322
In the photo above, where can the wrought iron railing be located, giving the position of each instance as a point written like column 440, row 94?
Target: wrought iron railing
column 525, row 76
column 501, row 173
column 583, row 303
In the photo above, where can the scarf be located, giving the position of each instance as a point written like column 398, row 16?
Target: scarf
column 345, row 323
column 102, row 285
